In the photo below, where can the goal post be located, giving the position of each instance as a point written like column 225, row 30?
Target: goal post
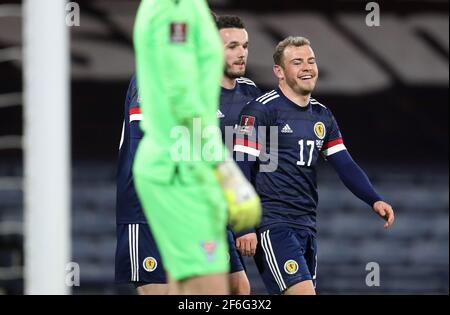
column 47, row 177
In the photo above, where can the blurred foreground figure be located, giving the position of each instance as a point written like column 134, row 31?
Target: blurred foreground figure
column 183, row 184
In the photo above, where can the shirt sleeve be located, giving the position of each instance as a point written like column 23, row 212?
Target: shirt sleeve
column 135, row 115
column 250, row 137
column 354, row 178
column 197, row 62
column 129, row 112
column 349, row 172
column 133, row 118
column 333, row 140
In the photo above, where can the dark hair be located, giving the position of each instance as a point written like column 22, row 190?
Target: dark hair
column 229, row 21
column 214, row 16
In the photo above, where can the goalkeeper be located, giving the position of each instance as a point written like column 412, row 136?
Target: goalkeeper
column 179, row 57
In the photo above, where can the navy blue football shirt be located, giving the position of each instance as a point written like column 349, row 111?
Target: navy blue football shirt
column 286, row 180
column 231, row 104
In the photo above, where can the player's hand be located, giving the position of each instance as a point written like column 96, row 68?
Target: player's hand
column 244, row 206
column 246, row 244
column 385, row 211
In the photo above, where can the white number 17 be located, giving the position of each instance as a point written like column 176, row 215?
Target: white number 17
column 311, row 151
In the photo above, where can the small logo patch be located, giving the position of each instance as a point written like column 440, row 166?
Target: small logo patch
column 287, row 129
column 320, row 130
column 291, row 267
column 247, row 125
column 319, row 144
column 178, row 32
column 210, row 249
column 150, row 264
column 220, row 114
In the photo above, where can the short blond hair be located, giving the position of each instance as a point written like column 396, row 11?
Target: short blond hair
column 296, row 41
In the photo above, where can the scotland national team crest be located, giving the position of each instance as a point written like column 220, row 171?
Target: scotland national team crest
column 291, row 267
column 320, row 130
column 150, row 264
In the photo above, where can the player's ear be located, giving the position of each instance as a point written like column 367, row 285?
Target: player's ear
column 278, row 70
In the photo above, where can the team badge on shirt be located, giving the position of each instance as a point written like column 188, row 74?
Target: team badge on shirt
column 320, row 130
column 291, row 267
column 150, row 264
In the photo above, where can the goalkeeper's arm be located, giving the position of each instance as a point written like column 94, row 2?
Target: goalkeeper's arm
column 243, row 203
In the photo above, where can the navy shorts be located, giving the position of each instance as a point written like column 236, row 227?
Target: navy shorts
column 138, row 260
column 285, row 256
column 236, row 261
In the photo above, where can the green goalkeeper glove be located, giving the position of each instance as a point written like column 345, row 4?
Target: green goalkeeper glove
column 244, row 206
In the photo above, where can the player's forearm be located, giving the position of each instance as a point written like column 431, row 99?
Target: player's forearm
column 354, row 177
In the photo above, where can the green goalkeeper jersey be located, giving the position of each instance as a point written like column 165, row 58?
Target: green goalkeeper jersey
column 179, row 58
